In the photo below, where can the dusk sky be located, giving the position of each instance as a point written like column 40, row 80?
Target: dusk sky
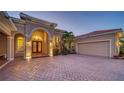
column 80, row 22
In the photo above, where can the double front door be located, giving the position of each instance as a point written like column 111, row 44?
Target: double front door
column 36, row 46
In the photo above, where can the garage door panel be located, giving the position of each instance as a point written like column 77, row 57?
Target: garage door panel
column 95, row 48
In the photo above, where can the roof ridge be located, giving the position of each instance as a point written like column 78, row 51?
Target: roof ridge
column 108, row 29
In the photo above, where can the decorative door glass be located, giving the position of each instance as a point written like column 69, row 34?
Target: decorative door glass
column 34, row 46
column 37, row 46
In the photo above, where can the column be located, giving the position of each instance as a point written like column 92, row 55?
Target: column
column 10, row 48
column 24, row 47
column 50, row 48
column 28, row 49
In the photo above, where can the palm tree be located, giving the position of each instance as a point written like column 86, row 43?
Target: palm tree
column 68, row 40
column 122, row 47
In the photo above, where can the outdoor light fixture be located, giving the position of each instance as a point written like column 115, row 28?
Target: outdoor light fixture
column 51, row 49
column 36, row 37
column 120, row 44
column 28, row 50
column 119, row 35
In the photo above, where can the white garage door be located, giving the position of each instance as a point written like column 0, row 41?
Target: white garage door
column 101, row 48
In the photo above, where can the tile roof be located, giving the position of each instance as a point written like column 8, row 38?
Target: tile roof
column 25, row 16
column 99, row 32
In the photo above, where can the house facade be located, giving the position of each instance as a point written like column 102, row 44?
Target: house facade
column 99, row 43
column 28, row 37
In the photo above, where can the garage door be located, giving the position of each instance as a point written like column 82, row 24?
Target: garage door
column 101, row 48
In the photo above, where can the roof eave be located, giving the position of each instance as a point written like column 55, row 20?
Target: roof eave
column 10, row 20
column 79, row 37
column 33, row 19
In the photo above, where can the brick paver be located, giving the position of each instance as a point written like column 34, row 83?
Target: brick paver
column 70, row 67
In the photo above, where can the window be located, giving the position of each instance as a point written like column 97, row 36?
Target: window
column 20, row 44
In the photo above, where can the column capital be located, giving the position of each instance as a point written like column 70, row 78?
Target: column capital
column 10, row 37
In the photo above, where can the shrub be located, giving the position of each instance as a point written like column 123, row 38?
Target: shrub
column 121, row 51
column 65, row 51
column 56, row 52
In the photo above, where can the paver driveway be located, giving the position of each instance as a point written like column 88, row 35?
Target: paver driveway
column 70, row 67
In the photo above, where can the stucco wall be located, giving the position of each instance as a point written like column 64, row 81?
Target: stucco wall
column 102, row 37
column 3, row 44
column 20, row 28
column 29, row 27
column 34, row 26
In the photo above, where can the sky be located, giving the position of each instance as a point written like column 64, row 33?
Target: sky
column 79, row 22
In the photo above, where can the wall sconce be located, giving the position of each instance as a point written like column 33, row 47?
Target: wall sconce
column 119, row 35
column 36, row 37
column 28, row 50
column 51, row 49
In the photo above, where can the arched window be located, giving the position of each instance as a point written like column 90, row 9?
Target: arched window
column 20, row 44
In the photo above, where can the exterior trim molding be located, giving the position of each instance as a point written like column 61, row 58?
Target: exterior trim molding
column 78, row 37
column 50, row 36
column 5, row 29
column 13, row 25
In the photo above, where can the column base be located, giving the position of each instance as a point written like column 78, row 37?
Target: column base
column 10, row 59
column 28, row 57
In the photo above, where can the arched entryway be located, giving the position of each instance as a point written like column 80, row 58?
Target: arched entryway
column 19, row 45
column 40, row 43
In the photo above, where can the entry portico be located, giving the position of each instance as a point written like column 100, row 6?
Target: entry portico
column 38, row 36
column 30, row 37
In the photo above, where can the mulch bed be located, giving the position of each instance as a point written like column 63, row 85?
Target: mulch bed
column 118, row 57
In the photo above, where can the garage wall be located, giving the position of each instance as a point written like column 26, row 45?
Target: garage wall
column 98, row 38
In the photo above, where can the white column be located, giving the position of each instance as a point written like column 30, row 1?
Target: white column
column 28, row 49
column 10, row 48
column 24, row 47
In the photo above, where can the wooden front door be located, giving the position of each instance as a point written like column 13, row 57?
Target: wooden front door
column 36, row 46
